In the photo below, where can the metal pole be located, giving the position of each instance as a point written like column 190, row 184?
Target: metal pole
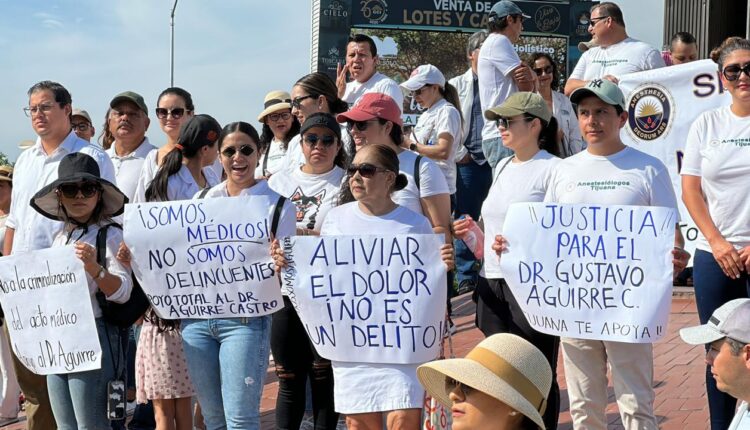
column 171, row 47
column 747, row 22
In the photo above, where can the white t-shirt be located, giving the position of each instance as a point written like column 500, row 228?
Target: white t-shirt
column 378, row 83
column 497, row 59
column 273, row 159
column 628, row 56
column 628, row 177
column 741, row 420
column 431, row 181
column 442, row 117
column 2, row 228
column 718, row 150
column 312, row 195
column 517, row 182
column 295, row 157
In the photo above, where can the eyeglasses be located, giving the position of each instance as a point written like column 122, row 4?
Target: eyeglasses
column 81, row 126
column 543, row 71
column 297, row 101
column 419, row 91
column 87, row 189
column 506, row 123
column 360, row 125
column 117, row 114
column 176, row 113
column 451, row 384
column 732, row 72
column 280, row 116
column 594, row 21
column 312, row 139
column 366, row 170
column 245, row 150
column 33, row 110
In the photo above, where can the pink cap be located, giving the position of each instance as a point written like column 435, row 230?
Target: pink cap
column 371, row 106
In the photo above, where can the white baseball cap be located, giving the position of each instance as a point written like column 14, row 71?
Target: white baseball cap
column 732, row 319
column 426, row 74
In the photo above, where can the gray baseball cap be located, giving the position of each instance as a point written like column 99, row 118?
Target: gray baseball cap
column 504, row 8
column 732, row 319
column 605, row 90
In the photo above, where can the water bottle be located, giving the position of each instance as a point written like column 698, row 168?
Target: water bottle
column 474, row 239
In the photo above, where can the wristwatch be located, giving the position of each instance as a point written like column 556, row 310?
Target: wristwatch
column 101, row 273
column 413, row 146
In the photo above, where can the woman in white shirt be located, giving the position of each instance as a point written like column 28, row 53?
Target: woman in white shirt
column 528, row 128
column 313, row 188
column 9, row 388
column 569, row 133
column 85, row 203
column 714, row 172
column 279, row 127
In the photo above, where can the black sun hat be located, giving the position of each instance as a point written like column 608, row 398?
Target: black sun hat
column 74, row 168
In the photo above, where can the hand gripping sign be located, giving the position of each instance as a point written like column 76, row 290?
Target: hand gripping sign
column 47, row 305
column 372, row 299
column 207, row 258
column 591, row 271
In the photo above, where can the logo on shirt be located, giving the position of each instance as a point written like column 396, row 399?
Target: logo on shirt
column 307, row 206
column 650, row 110
column 606, row 185
column 375, row 11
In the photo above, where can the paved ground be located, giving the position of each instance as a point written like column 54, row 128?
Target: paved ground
column 679, row 373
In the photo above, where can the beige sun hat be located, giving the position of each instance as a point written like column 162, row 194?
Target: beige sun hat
column 503, row 366
column 274, row 102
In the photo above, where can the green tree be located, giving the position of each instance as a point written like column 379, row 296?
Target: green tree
column 4, row 160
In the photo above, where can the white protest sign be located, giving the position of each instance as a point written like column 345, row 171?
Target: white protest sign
column 47, row 305
column 206, row 258
column 371, row 299
column 662, row 105
column 591, row 271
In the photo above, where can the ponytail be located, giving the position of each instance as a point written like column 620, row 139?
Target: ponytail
column 450, row 93
column 548, row 137
column 172, row 163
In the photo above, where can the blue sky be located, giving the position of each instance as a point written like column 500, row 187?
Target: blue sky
column 228, row 54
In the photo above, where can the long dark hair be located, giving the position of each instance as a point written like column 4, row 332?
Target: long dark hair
column 242, row 127
column 320, row 84
column 177, row 91
column 555, row 84
column 106, row 139
column 266, row 135
column 548, row 136
column 450, row 94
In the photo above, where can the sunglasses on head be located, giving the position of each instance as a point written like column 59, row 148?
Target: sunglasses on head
column 543, row 70
column 366, row 170
column 451, row 384
column 326, row 140
column 732, row 72
column 245, row 150
column 87, row 189
column 176, row 113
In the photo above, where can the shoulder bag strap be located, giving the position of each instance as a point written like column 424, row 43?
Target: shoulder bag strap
column 497, row 175
column 417, row 162
column 277, row 214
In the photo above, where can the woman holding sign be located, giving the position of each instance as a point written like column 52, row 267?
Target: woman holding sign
column 227, row 357
column 85, row 203
column 313, row 188
column 365, row 392
column 529, row 129
column 714, row 189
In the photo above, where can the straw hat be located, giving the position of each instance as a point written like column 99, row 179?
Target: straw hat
column 274, row 102
column 78, row 167
column 6, row 173
column 503, row 366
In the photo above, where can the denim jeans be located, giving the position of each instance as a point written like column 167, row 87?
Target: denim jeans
column 472, row 185
column 227, row 359
column 494, row 151
column 79, row 400
column 712, row 289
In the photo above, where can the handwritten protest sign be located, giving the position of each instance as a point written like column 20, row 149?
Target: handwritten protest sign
column 47, row 305
column 591, row 272
column 372, row 299
column 205, row 258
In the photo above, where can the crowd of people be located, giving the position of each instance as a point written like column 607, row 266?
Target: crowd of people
column 333, row 157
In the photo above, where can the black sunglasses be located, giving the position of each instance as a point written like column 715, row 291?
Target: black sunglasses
column 312, row 139
column 245, row 150
column 297, row 101
column 87, row 189
column 543, row 70
column 732, row 72
column 176, row 113
column 506, row 122
column 451, row 384
column 361, row 125
column 366, row 170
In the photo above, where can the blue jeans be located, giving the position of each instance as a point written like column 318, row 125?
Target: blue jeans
column 79, row 400
column 472, row 185
column 712, row 289
column 227, row 360
column 494, row 151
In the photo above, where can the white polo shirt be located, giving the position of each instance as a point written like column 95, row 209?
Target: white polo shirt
column 378, row 83
column 33, row 170
column 128, row 167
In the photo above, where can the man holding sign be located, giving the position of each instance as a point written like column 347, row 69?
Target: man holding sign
column 610, row 173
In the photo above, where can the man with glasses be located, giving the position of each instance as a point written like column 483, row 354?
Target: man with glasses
column 50, row 110
column 726, row 337
column 615, row 54
column 81, row 123
column 128, row 118
column 500, row 71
